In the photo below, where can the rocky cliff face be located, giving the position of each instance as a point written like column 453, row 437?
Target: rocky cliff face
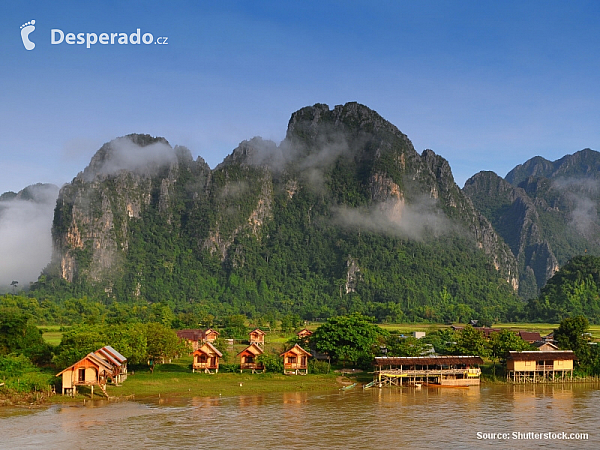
column 546, row 211
column 91, row 229
column 416, row 190
column 515, row 217
column 313, row 215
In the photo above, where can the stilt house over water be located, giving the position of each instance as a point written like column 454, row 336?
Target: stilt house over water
column 441, row 370
column 535, row 366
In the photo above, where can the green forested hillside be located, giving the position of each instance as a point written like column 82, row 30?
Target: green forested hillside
column 343, row 216
column 573, row 291
column 547, row 212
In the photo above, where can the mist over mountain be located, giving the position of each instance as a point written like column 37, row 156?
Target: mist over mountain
column 343, row 215
column 25, row 238
column 546, row 211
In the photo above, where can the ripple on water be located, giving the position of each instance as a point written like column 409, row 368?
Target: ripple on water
column 376, row 418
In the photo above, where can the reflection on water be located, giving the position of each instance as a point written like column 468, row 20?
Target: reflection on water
column 377, row 418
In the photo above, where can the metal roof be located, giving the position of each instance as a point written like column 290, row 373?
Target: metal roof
column 115, row 353
column 426, row 360
column 553, row 355
column 106, row 355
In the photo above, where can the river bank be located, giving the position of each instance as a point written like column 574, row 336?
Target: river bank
column 177, row 380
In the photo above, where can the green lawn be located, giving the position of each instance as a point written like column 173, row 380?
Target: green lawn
column 542, row 328
column 51, row 333
column 177, row 379
column 408, row 328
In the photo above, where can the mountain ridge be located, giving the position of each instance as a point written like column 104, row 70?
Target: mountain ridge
column 302, row 226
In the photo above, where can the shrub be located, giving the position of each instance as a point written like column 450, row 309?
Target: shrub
column 228, row 368
column 318, row 367
column 272, row 363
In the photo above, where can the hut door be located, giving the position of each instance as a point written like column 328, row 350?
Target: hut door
column 303, row 361
column 81, row 375
column 213, row 361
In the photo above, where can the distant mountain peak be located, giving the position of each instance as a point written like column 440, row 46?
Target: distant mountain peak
column 584, row 163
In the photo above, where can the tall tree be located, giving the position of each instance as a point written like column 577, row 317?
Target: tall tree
column 352, row 338
column 163, row 344
column 572, row 335
column 471, row 341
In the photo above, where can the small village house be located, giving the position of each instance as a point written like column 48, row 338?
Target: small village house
column 210, row 335
column 194, row 338
column 89, row 371
column 257, row 336
column 248, row 358
column 539, row 366
column 295, row 360
column 304, row 333
column 530, row 336
column 437, row 370
column 206, row 358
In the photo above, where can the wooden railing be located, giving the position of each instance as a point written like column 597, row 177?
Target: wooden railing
column 473, row 371
column 294, row 366
column 255, row 366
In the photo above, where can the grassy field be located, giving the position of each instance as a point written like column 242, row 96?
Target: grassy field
column 177, row 379
column 51, row 334
column 542, row 328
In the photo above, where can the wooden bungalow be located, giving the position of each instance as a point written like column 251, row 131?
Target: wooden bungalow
column 257, row 336
column 295, row 361
column 537, row 366
column 206, row 358
column 118, row 361
column 304, row 333
column 90, row 371
column 194, row 338
column 530, row 336
column 210, row 335
column 433, row 370
column 248, row 358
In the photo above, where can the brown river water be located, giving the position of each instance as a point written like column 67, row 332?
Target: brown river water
column 387, row 418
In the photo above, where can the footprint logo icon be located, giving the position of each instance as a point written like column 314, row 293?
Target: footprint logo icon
column 26, row 30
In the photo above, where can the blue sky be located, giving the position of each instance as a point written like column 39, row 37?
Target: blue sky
column 487, row 85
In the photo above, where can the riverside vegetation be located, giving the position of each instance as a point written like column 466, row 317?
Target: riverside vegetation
column 350, row 341
column 342, row 219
